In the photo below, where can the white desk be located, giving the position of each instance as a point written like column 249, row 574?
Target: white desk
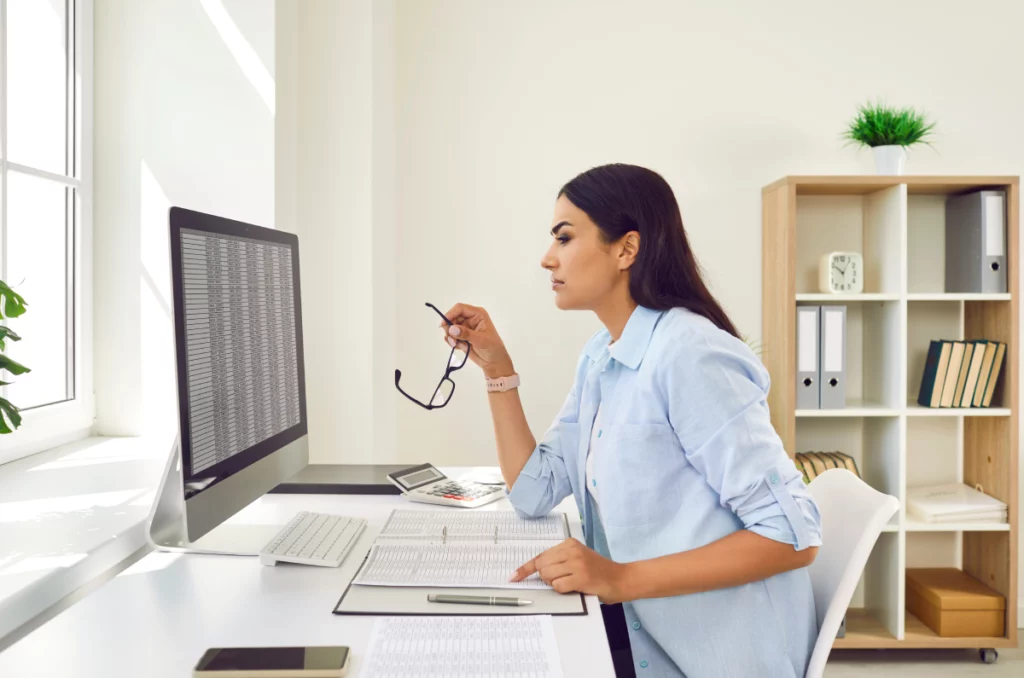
column 157, row 617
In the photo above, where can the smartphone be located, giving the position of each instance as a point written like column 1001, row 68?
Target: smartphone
column 273, row 662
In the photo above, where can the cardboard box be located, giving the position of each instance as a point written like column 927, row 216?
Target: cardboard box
column 954, row 604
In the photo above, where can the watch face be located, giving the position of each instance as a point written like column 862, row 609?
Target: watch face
column 845, row 274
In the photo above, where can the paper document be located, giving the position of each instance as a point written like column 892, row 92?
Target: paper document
column 456, row 565
column 475, row 525
column 467, row 647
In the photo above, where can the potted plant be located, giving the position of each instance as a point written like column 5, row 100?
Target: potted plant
column 888, row 131
column 11, row 306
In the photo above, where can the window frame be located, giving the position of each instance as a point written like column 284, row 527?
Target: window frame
column 48, row 426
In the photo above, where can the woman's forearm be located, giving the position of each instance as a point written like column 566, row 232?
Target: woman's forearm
column 739, row 558
column 512, row 433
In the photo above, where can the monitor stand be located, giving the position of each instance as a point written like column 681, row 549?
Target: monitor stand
column 166, row 531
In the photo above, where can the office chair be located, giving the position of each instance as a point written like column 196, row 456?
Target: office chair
column 853, row 514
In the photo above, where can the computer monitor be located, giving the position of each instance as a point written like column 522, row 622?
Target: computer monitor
column 239, row 362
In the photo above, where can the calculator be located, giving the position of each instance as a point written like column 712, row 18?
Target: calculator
column 425, row 483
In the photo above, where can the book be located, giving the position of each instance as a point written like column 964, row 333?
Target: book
column 813, row 464
column 985, row 374
column 956, row 357
column 993, row 379
column 961, row 380
column 973, row 372
column 953, row 502
column 934, row 374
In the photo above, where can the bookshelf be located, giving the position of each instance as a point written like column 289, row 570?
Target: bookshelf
column 898, row 224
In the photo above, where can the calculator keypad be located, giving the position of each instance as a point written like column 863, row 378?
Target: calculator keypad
column 459, row 491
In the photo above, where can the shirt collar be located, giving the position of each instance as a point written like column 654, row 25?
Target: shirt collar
column 632, row 345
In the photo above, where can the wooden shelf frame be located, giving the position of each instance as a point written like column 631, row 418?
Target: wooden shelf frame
column 894, row 221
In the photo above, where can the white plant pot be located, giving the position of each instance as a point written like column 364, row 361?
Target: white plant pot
column 890, row 159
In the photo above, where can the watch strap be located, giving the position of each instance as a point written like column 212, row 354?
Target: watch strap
column 502, row 383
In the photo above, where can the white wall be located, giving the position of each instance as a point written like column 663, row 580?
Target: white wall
column 336, row 190
column 494, row 105
column 184, row 97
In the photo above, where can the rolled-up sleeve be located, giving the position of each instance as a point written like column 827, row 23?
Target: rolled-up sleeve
column 544, row 481
column 716, row 390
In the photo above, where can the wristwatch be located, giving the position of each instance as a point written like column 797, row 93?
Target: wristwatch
column 502, row 384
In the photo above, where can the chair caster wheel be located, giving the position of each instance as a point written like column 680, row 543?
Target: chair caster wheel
column 988, row 655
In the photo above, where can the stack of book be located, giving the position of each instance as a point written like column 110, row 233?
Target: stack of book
column 961, row 373
column 813, row 464
column 954, row 503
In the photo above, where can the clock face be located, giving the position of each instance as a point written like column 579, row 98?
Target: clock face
column 845, row 273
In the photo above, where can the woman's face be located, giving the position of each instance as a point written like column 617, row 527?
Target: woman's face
column 584, row 269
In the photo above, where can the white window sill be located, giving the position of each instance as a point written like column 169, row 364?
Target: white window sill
column 68, row 515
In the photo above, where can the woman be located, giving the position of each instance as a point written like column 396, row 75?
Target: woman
column 695, row 518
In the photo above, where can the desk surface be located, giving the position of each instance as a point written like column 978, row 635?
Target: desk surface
column 157, row 617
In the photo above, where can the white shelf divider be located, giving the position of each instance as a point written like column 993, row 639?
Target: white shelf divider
column 953, row 296
column 916, row 410
column 829, row 298
column 914, row 525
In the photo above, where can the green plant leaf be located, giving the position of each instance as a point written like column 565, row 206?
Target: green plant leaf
column 11, row 366
column 9, row 412
column 7, row 333
column 881, row 125
column 14, row 304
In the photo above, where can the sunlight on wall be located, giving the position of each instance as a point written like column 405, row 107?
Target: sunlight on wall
column 242, row 51
column 156, row 329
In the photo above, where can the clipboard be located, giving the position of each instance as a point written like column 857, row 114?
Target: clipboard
column 412, row 601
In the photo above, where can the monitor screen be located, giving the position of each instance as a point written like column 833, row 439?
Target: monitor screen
column 238, row 329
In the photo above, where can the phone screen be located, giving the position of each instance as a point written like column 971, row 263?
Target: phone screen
column 267, row 658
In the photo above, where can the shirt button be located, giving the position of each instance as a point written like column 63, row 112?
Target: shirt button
column 643, row 664
column 636, row 626
column 600, row 432
column 774, row 478
column 594, row 482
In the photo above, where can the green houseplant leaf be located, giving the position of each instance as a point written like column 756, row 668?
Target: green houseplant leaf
column 7, row 333
column 8, row 412
column 881, row 125
column 11, row 366
column 13, row 303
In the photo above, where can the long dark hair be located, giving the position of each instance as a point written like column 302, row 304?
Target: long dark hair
column 622, row 198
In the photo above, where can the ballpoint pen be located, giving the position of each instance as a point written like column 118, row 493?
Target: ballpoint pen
column 477, row 600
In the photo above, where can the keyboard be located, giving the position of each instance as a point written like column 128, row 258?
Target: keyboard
column 314, row 539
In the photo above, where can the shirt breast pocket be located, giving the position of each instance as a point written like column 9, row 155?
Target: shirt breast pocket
column 639, row 468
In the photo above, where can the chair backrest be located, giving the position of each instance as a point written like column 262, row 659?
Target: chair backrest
column 853, row 514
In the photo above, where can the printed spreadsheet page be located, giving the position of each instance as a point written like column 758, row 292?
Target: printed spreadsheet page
column 467, row 647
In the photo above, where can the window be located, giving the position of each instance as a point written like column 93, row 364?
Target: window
column 45, row 82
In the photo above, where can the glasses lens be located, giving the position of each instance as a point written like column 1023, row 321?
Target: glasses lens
column 458, row 356
column 444, row 393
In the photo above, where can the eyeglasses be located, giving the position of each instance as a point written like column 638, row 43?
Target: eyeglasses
column 445, row 387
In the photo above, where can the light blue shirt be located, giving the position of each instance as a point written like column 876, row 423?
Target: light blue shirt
column 686, row 455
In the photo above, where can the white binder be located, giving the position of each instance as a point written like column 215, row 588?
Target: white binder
column 808, row 374
column 833, row 357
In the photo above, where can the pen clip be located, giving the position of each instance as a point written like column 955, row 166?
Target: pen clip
column 495, row 534
column 444, row 534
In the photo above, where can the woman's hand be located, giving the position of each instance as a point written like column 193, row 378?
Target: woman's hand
column 571, row 566
column 473, row 324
